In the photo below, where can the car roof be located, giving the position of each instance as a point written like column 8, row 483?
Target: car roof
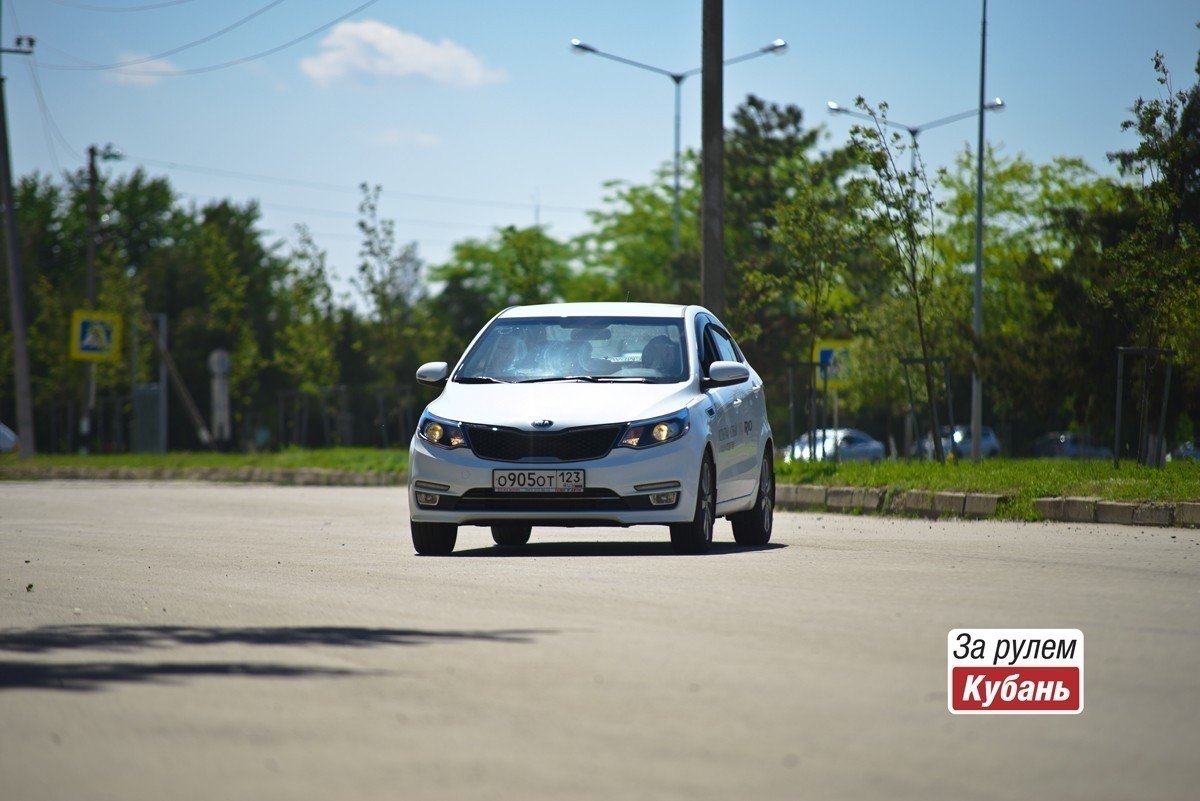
column 596, row 310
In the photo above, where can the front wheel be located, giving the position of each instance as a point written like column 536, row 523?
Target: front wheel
column 511, row 535
column 433, row 539
column 753, row 526
column 696, row 536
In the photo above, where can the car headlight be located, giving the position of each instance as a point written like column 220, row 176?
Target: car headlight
column 647, row 433
column 442, row 433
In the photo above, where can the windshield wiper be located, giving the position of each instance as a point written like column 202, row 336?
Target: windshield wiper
column 480, row 379
column 594, row 379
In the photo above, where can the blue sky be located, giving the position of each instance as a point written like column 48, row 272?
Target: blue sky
column 470, row 113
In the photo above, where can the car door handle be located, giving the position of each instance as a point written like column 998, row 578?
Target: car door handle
column 737, row 402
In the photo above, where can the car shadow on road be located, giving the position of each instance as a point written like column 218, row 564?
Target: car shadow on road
column 566, row 549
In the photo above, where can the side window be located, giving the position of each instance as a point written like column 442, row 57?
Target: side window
column 708, row 351
column 726, row 350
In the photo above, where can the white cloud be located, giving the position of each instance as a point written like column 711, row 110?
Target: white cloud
column 397, row 137
column 145, row 73
column 370, row 47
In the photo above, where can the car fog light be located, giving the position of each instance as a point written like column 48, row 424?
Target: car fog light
column 664, row 498
column 427, row 499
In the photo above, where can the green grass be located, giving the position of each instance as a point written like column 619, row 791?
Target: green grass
column 1021, row 479
column 359, row 460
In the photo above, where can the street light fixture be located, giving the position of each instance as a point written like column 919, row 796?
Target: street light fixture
column 778, row 47
column 914, row 131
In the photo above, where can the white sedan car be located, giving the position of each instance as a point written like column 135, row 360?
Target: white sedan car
column 594, row 414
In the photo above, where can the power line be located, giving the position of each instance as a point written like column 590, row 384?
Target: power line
column 233, row 63
column 120, row 9
column 188, row 46
column 328, row 187
column 49, row 127
column 349, row 215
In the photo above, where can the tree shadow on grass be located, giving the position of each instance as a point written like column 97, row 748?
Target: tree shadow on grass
column 561, row 549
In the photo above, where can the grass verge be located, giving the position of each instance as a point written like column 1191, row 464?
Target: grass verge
column 1020, row 479
column 357, row 460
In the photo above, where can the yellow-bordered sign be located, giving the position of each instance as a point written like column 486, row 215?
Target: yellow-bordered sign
column 834, row 358
column 95, row 336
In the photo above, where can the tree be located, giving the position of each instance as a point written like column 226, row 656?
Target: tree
column 513, row 266
column 1158, row 266
column 813, row 234
column 228, row 319
column 902, row 226
column 629, row 252
column 308, row 333
column 389, row 280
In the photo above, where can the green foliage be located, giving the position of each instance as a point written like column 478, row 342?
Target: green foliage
column 357, row 460
column 308, row 331
column 629, row 252
column 845, row 242
column 513, row 266
column 1157, row 269
column 390, row 282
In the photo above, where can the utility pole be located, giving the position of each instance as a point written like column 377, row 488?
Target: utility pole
column 93, row 224
column 16, row 279
column 977, row 321
column 712, row 141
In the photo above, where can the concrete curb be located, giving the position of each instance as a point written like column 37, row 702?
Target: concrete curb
column 306, row 477
column 924, row 503
column 881, row 500
column 1094, row 510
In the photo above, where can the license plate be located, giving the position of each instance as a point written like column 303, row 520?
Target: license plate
column 538, row 480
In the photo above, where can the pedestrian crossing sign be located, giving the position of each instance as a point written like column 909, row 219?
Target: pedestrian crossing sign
column 95, row 335
column 833, row 356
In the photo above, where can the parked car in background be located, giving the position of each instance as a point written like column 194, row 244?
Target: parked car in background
column 1069, row 445
column 956, row 443
column 1187, row 450
column 850, row 445
column 8, row 439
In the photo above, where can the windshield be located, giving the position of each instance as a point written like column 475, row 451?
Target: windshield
column 633, row 349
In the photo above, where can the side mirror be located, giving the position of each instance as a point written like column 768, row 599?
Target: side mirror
column 724, row 374
column 433, row 373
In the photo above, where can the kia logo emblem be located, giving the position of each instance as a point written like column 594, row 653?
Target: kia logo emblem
column 542, row 423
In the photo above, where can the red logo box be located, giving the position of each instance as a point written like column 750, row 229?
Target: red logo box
column 1014, row 671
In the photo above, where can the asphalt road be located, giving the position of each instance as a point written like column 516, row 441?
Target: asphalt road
column 190, row 641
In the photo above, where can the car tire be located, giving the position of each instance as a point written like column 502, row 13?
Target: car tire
column 696, row 535
column 433, row 539
column 753, row 526
column 511, row 535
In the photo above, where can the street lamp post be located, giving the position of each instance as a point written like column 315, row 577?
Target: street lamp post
column 914, row 131
column 777, row 47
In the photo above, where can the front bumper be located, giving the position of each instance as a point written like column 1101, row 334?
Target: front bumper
column 463, row 483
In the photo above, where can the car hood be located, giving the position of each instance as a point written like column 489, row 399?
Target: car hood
column 566, row 404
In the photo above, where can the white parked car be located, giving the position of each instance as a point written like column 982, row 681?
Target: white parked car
column 594, row 414
column 8, row 439
column 845, row 444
